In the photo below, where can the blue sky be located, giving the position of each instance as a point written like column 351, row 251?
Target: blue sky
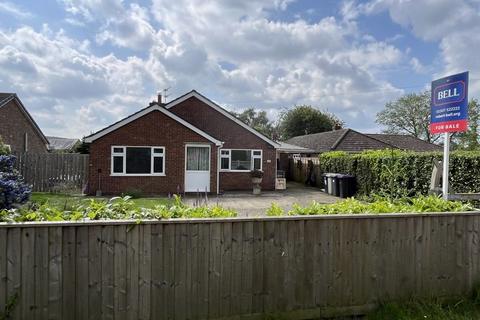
column 79, row 65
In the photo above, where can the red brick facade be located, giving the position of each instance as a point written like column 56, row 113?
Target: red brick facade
column 17, row 130
column 153, row 129
column 234, row 136
column 158, row 129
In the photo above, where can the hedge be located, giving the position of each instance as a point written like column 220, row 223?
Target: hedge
column 402, row 173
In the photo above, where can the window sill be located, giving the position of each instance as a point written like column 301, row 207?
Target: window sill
column 137, row 175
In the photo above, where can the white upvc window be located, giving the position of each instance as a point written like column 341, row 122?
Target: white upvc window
column 138, row 161
column 240, row 160
column 257, row 159
column 225, row 159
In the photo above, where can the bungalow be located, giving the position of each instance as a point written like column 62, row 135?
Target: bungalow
column 190, row 144
column 349, row 140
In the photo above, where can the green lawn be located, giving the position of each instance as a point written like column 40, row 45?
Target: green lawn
column 61, row 201
column 467, row 309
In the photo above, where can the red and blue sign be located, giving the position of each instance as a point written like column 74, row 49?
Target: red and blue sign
column 449, row 105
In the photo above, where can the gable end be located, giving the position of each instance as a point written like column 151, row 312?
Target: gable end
column 222, row 111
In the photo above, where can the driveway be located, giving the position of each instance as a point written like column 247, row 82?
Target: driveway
column 247, row 204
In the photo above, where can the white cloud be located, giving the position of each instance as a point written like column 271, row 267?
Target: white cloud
column 122, row 26
column 14, row 10
column 452, row 24
column 51, row 70
column 276, row 64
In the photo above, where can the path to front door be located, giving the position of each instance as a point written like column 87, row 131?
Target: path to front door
column 248, row 205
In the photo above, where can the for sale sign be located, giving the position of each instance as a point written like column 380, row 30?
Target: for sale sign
column 449, row 105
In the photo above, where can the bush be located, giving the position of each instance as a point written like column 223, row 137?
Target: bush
column 4, row 149
column 115, row 208
column 256, row 173
column 133, row 193
column 275, row 210
column 382, row 205
column 400, row 173
column 13, row 190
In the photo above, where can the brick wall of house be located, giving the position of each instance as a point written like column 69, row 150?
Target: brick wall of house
column 153, row 129
column 234, row 136
column 14, row 124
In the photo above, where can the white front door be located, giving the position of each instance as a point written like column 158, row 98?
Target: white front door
column 197, row 168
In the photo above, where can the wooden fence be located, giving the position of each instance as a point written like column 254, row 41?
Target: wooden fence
column 53, row 172
column 298, row 170
column 291, row 267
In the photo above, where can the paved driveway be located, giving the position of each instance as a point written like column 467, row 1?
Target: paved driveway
column 246, row 204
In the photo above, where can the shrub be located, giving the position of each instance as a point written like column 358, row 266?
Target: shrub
column 256, row 174
column 4, row 149
column 382, row 205
column 13, row 190
column 399, row 173
column 133, row 193
column 115, row 208
column 275, row 210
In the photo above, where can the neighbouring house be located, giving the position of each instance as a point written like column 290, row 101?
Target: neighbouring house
column 17, row 127
column 190, row 144
column 349, row 140
column 62, row 145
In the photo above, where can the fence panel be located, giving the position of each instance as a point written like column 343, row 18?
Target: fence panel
column 53, row 172
column 299, row 169
column 289, row 267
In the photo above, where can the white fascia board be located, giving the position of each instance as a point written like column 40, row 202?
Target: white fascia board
column 146, row 111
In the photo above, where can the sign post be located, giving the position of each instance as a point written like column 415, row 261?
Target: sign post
column 449, row 113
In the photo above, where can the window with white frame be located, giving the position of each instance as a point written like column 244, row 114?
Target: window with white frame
column 225, row 159
column 138, row 160
column 240, row 160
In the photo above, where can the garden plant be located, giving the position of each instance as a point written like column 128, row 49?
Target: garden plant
column 13, row 190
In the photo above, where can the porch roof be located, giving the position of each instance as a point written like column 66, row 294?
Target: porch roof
column 291, row 148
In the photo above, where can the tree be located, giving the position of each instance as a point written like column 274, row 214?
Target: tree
column 409, row 114
column 258, row 120
column 12, row 188
column 470, row 139
column 82, row 147
column 302, row 120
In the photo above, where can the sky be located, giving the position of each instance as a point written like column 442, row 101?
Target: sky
column 80, row 65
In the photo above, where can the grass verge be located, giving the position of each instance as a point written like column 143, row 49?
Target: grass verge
column 460, row 309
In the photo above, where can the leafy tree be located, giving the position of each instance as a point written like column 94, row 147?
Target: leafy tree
column 82, row 147
column 469, row 140
column 302, row 120
column 12, row 188
column 409, row 114
column 4, row 149
column 258, row 120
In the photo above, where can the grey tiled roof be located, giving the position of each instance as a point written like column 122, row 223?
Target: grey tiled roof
column 57, row 143
column 353, row 141
column 319, row 142
column 406, row 142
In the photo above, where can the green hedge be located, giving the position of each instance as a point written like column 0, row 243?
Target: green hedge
column 401, row 173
